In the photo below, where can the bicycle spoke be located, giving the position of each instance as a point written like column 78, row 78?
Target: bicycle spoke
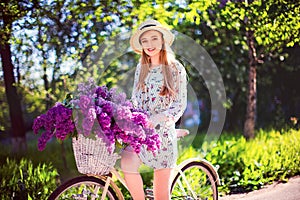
column 83, row 188
column 194, row 182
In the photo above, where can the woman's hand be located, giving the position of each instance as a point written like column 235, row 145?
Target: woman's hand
column 156, row 119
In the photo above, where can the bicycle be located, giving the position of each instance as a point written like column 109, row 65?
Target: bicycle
column 192, row 179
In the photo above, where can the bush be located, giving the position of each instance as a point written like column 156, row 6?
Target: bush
column 21, row 180
column 248, row 165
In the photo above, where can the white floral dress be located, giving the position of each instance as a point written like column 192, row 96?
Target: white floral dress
column 150, row 101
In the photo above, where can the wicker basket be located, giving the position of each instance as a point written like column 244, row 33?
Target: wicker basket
column 92, row 156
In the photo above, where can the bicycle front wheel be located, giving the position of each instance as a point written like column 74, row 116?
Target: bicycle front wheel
column 195, row 181
column 83, row 188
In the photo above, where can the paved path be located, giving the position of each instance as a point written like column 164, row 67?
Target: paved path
column 276, row 191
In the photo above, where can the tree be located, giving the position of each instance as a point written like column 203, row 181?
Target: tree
column 267, row 27
column 10, row 12
column 241, row 35
column 74, row 29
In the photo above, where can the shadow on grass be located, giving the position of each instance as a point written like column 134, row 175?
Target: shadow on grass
column 59, row 154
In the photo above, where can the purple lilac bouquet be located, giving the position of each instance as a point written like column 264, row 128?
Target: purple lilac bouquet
column 96, row 111
column 56, row 122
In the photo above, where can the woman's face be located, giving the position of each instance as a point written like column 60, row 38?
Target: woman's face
column 151, row 42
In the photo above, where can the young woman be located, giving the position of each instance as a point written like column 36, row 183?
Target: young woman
column 160, row 89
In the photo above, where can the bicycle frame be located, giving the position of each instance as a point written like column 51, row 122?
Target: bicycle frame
column 115, row 173
column 109, row 180
column 184, row 184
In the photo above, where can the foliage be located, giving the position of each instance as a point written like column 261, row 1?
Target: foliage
column 52, row 46
column 266, row 27
column 4, row 115
column 242, row 166
column 22, row 180
column 245, row 166
column 60, row 155
column 222, row 29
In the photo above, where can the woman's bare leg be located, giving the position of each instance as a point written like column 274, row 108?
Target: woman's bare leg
column 162, row 184
column 130, row 163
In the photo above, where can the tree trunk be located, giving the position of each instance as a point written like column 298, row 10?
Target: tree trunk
column 249, row 125
column 14, row 103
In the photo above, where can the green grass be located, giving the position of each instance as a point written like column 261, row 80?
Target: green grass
column 23, row 180
column 242, row 165
column 249, row 165
column 59, row 155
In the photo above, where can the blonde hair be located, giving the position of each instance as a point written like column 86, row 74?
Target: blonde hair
column 167, row 60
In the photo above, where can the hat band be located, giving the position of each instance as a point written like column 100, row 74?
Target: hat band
column 148, row 25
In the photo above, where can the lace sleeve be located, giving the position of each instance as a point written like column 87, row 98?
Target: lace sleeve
column 178, row 106
column 135, row 82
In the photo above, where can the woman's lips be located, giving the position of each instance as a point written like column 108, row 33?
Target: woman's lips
column 151, row 49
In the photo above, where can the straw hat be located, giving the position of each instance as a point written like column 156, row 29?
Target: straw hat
column 146, row 26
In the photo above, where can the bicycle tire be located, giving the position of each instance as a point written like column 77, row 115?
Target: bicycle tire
column 200, row 178
column 82, row 187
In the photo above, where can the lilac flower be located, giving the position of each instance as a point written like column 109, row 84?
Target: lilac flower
column 57, row 121
column 107, row 107
column 38, row 123
column 102, row 92
column 102, row 112
column 98, row 110
column 140, row 118
column 88, row 87
column 42, row 141
column 128, row 103
column 104, row 120
column 87, row 126
column 122, row 112
column 84, row 102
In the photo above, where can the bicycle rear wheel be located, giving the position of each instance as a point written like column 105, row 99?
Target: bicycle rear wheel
column 195, row 180
column 83, row 188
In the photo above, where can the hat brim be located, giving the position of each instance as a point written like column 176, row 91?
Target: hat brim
column 135, row 43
